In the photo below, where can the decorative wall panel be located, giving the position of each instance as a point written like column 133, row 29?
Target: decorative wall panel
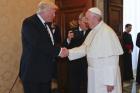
column 12, row 13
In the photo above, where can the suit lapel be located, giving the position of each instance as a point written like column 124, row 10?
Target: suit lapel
column 40, row 27
column 43, row 28
column 37, row 22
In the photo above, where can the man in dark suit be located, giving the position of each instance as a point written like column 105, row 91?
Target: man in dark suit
column 77, row 69
column 127, row 56
column 39, row 50
column 138, row 64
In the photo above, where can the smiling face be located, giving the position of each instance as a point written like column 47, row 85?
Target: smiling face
column 92, row 19
column 89, row 19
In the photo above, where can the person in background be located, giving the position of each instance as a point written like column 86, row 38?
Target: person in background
column 77, row 69
column 127, row 56
column 39, row 52
column 138, row 65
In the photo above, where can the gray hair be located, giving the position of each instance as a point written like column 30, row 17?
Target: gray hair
column 96, row 12
column 81, row 15
column 46, row 5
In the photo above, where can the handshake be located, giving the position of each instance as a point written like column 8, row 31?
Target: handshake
column 64, row 52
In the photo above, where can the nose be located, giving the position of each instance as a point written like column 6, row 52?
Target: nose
column 86, row 22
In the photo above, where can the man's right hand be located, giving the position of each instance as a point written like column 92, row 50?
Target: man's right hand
column 109, row 88
column 70, row 35
column 64, row 52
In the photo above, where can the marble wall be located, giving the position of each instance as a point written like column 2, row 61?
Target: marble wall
column 12, row 13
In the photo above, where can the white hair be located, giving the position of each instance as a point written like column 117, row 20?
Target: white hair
column 46, row 5
column 99, row 17
column 96, row 12
column 81, row 15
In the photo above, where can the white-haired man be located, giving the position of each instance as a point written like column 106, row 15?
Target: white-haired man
column 77, row 69
column 39, row 50
column 102, row 48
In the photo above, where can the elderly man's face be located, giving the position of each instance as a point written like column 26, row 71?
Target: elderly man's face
column 83, row 24
column 89, row 19
column 49, row 15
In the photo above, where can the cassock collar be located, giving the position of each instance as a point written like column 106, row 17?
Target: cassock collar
column 97, row 26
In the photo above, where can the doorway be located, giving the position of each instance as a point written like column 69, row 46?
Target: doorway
column 131, row 15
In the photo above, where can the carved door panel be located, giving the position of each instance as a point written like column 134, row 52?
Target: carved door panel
column 114, row 15
column 68, row 10
column 114, row 18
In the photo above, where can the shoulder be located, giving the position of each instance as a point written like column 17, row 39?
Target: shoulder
column 30, row 19
column 108, row 33
column 76, row 30
column 138, row 34
column 108, row 30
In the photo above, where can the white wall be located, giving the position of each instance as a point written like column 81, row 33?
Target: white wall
column 131, row 14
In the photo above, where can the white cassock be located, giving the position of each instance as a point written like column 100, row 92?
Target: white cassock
column 102, row 48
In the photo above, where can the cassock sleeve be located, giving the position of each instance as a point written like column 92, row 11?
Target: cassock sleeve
column 77, row 52
column 81, row 51
column 110, row 70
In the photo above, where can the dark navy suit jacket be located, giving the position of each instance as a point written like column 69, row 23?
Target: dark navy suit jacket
column 77, row 69
column 38, row 54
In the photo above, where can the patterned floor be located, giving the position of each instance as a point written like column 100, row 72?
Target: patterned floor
column 131, row 87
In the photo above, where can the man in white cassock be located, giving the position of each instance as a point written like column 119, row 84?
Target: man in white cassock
column 102, row 48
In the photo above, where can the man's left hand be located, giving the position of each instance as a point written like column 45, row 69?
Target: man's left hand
column 109, row 88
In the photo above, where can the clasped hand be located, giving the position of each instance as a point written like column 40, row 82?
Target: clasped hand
column 64, row 52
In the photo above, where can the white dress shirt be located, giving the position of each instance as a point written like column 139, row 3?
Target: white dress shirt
column 47, row 27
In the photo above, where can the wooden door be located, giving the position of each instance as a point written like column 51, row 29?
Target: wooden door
column 113, row 11
column 68, row 10
column 114, row 17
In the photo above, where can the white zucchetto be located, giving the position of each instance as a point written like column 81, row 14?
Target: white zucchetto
column 95, row 10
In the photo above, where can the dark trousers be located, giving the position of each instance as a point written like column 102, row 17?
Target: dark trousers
column 138, row 72
column 127, row 67
column 77, row 77
column 37, row 87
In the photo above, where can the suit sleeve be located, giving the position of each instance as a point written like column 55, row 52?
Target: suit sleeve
column 65, row 43
column 110, row 70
